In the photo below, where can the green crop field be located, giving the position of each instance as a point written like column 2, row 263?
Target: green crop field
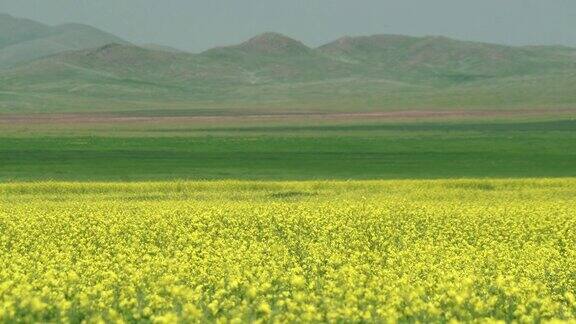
column 393, row 150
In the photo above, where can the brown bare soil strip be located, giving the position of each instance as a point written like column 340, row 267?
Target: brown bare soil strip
column 93, row 118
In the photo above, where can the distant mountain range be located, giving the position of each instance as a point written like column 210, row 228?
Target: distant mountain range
column 23, row 40
column 76, row 67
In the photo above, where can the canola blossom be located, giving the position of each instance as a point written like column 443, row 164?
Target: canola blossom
column 234, row 251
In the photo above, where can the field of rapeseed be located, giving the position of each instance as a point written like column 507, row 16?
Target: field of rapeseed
column 467, row 250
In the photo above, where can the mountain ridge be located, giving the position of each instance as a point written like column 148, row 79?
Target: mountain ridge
column 23, row 40
column 376, row 71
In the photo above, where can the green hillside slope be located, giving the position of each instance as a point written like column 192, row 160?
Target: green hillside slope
column 15, row 30
column 444, row 60
column 23, row 40
column 273, row 71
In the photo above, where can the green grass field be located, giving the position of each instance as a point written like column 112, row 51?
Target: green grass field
column 384, row 150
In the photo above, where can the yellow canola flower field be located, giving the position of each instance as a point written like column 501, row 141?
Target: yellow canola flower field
column 233, row 251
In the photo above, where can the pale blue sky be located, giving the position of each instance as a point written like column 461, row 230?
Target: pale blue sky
column 199, row 24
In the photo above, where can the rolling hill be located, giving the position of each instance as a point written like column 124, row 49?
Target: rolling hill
column 16, row 30
column 444, row 59
column 161, row 48
column 23, row 40
column 79, row 68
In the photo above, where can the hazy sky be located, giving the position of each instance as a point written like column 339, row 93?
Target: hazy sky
column 199, row 24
